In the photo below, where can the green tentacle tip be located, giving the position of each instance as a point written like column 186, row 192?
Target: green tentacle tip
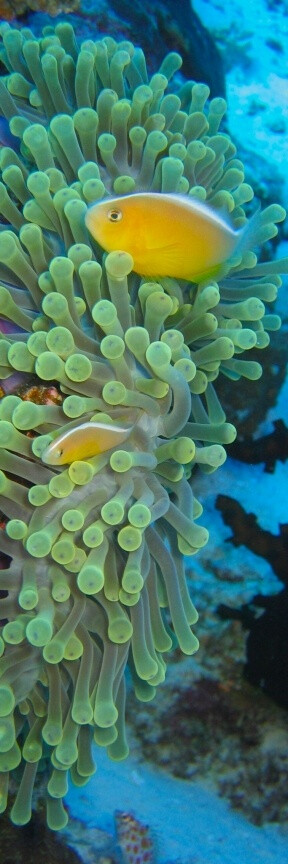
column 104, row 314
column 55, row 306
column 93, row 536
column 78, row 367
column 114, row 393
column 112, row 512
column 16, row 529
column 132, row 581
column 8, row 761
column 183, row 450
column 72, row 520
column 121, row 461
column 28, row 415
column 119, row 264
column 129, row 598
column 217, row 455
column 139, row 515
column 120, row 629
column 7, row 733
column 49, row 366
column 137, row 340
column 61, row 589
column 58, row 784
column 77, row 562
column 53, row 651
column 66, row 752
column 90, row 580
column 158, row 355
column 28, row 598
column 39, row 631
column 20, row 358
column 7, row 404
column 93, row 190
column 74, row 406
column 105, row 713
column 61, row 485
column 124, row 185
column 32, row 750
column 103, row 736
column 63, row 551
column 52, row 732
column 186, row 367
column 80, row 472
column 57, row 817
column 39, row 495
column 38, row 544
column 37, row 342
column 189, row 643
column 129, row 538
column 14, row 631
column 82, row 713
column 60, row 341
column 73, row 649
column 112, row 347
column 7, row 701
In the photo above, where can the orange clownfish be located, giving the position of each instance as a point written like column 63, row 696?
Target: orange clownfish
column 167, row 235
column 83, row 442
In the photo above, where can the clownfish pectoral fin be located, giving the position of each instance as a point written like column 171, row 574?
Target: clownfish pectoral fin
column 219, row 271
column 248, row 237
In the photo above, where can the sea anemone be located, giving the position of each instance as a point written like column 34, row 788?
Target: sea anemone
column 95, row 575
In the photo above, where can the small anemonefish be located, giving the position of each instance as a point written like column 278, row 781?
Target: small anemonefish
column 83, row 442
column 167, row 235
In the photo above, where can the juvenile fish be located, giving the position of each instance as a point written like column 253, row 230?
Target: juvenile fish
column 134, row 838
column 83, row 442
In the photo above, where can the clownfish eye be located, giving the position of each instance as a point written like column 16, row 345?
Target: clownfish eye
column 114, row 215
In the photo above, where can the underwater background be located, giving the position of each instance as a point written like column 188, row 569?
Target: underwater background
column 205, row 780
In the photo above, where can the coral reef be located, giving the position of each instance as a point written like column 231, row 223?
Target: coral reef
column 94, row 579
column 10, row 9
column 160, row 26
column 220, row 733
column 34, row 841
column 210, row 725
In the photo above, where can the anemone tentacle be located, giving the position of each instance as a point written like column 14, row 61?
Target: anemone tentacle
column 97, row 548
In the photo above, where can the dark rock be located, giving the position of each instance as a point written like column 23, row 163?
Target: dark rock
column 269, row 449
column 243, row 406
column 267, row 643
column 176, row 27
column 27, row 844
column 267, row 647
column 247, row 532
column 159, row 27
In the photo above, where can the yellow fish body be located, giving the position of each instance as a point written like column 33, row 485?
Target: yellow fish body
column 83, row 442
column 167, row 235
